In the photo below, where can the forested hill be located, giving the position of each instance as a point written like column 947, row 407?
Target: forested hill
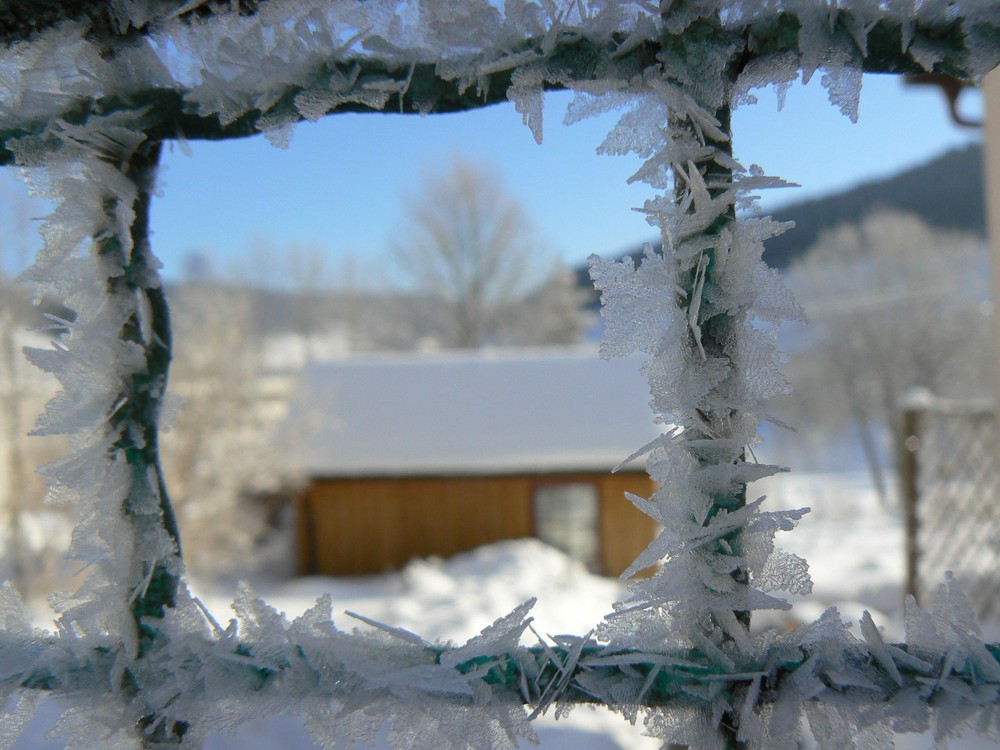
column 947, row 192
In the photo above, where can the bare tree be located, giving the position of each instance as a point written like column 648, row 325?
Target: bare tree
column 469, row 245
column 894, row 304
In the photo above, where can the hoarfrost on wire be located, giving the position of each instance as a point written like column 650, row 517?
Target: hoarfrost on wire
column 696, row 310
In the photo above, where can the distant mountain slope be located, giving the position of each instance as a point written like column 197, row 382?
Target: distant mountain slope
column 946, row 191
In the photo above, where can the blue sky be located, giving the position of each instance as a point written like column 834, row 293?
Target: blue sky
column 338, row 190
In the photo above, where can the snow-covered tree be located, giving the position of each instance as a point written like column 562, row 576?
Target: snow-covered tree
column 31, row 560
column 553, row 314
column 894, row 304
column 224, row 448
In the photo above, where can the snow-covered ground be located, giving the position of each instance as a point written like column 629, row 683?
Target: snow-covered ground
column 854, row 546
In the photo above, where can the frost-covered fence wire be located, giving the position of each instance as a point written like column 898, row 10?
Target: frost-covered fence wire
column 951, row 498
column 89, row 91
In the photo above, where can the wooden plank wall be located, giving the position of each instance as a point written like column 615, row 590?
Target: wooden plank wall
column 625, row 530
column 371, row 525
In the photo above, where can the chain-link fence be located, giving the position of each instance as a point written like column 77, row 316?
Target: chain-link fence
column 949, row 490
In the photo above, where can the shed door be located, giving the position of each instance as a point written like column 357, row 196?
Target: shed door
column 566, row 518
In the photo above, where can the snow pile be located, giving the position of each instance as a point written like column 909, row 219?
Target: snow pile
column 445, row 600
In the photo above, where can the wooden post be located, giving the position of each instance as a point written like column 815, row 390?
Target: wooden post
column 991, row 173
column 908, row 474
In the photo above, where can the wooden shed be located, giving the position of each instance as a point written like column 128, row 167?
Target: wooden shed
column 437, row 454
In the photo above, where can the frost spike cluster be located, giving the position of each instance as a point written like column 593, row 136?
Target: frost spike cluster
column 212, row 679
column 695, row 311
column 236, row 73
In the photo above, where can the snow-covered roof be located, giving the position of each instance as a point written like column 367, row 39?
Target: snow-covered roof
column 473, row 413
